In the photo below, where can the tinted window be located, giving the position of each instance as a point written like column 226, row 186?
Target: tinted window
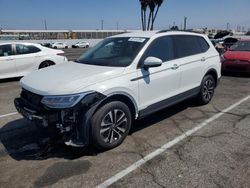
column 5, row 50
column 26, row 49
column 186, row 45
column 161, row 48
column 203, row 44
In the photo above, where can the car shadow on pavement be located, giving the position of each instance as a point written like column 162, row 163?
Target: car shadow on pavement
column 161, row 115
column 22, row 140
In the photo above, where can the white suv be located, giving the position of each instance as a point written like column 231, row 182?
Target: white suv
column 123, row 78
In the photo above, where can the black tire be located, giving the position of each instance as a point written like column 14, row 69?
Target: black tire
column 55, row 47
column 207, row 90
column 107, row 133
column 46, row 64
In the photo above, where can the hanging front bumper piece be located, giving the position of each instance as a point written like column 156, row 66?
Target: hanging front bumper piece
column 73, row 123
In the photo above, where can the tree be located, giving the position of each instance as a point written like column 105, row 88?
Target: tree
column 151, row 4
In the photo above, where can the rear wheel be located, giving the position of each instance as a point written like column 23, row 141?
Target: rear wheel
column 207, row 90
column 46, row 64
column 110, row 125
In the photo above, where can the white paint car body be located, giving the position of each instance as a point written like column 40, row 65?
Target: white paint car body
column 19, row 61
column 145, row 85
column 81, row 44
column 59, row 45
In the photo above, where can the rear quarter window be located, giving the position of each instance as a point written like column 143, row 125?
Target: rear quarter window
column 203, row 43
column 188, row 45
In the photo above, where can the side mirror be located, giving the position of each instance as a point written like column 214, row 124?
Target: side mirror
column 150, row 62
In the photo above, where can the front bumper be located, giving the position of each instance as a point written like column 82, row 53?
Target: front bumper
column 72, row 123
column 37, row 115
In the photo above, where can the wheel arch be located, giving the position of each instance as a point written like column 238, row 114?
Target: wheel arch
column 122, row 97
column 47, row 60
column 213, row 73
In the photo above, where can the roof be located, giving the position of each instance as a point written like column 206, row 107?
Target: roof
column 149, row 34
column 145, row 34
column 25, row 43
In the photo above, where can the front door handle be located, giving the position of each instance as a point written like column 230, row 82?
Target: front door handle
column 9, row 59
column 175, row 66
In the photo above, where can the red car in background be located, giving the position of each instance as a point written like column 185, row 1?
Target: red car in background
column 237, row 58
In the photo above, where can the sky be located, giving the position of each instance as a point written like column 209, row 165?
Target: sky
column 87, row 14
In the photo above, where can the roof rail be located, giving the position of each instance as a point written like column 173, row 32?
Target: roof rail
column 169, row 30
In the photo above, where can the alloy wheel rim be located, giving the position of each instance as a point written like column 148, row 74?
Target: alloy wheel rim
column 208, row 90
column 113, row 126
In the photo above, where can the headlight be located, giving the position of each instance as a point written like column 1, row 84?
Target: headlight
column 63, row 101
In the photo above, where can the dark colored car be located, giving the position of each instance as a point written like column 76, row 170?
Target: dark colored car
column 237, row 58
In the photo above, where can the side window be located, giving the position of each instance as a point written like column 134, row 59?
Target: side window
column 26, row 49
column 161, row 48
column 186, row 45
column 203, row 44
column 33, row 49
column 5, row 50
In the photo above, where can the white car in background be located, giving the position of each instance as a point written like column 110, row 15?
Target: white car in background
column 81, row 44
column 59, row 45
column 18, row 59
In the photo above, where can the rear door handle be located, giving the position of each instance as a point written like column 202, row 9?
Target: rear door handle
column 175, row 66
column 203, row 59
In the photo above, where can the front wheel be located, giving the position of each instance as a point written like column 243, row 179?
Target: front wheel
column 207, row 90
column 110, row 125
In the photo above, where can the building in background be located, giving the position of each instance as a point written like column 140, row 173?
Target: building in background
column 57, row 34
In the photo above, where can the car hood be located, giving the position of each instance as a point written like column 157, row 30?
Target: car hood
column 67, row 78
column 237, row 55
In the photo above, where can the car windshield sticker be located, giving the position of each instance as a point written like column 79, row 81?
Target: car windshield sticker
column 133, row 39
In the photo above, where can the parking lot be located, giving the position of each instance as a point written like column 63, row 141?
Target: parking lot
column 215, row 153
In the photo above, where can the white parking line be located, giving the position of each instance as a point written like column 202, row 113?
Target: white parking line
column 10, row 114
column 166, row 146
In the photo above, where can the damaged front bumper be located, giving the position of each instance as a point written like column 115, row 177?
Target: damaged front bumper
column 73, row 124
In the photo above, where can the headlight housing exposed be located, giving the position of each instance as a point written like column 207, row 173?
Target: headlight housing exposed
column 63, row 101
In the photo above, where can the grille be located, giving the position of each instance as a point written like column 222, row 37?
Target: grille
column 32, row 98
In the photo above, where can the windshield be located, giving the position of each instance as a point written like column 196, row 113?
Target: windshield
column 114, row 52
column 241, row 46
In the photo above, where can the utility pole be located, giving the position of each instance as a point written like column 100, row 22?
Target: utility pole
column 228, row 26
column 102, row 23
column 117, row 25
column 185, row 23
column 45, row 24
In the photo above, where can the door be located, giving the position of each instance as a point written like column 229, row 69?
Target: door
column 7, row 62
column 27, row 58
column 159, row 83
column 190, row 51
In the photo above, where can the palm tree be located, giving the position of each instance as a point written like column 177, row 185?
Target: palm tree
column 144, row 5
column 151, row 4
column 158, row 4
